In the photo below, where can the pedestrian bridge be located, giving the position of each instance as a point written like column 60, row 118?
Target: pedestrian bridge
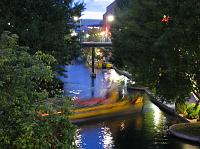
column 96, row 44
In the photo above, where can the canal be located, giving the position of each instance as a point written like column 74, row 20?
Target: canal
column 146, row 129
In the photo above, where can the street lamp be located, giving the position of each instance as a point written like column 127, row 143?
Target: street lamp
column 75, row 18
column 110, row 18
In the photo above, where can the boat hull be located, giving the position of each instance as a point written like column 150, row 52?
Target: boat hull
column 105, row 111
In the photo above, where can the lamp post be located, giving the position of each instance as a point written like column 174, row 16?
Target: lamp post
column 93, row 75
column 110, row 18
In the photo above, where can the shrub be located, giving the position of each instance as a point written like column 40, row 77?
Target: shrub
column 181, row 107
column 199, row 115
column 193, row 112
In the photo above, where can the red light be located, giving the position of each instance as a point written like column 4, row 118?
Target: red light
column 165, row 19
column 45, row 114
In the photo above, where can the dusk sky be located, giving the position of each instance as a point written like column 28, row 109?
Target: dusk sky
column 94, row 8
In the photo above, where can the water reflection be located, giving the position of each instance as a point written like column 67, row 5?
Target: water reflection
column 137, row 130
column 138, row 122
column 122, row 126
column 107, row 140
column 79, row 84
column 92, row 87
column 78, row 139
column 143, row 130
column 189, row 146
column 156, row 114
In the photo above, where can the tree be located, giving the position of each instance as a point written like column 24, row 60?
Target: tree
column 23, row 101
column 42, row 25
column 163, row 55
column 94, row 35
column 27, row 73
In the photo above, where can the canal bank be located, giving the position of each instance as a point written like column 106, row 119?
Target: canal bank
column 174, row 129
column 187, row 131
column 161, row 105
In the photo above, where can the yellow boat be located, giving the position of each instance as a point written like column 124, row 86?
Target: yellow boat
column 107, row 110
column 101, row 64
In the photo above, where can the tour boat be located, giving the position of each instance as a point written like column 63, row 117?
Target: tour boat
column 97, row 108
column 83, row 114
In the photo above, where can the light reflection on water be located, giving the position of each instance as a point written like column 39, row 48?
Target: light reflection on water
column 145, row 129
column 189, row 146
column 78, row 138
column 157, row 115
column 107, row 139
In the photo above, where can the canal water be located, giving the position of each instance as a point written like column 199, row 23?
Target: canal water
column 146, row 129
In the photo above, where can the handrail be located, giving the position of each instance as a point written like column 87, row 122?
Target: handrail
column 96, row 44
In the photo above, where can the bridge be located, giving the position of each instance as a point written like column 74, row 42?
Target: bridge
column 94, row 45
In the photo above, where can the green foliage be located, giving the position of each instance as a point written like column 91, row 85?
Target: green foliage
column 199, row 114
column 27, row 72
column 162, row 56
column 70, row 51
column 42, row 24
column 94, row 35
column 22, row 96
column 53, row 130
column 181, row 107
column 193, row 112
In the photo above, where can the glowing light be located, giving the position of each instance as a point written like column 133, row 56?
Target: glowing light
column 111, row 18
column 73, row 33
column 87, row 35
column 102, row 33
column 75, row 18
column 45, row 114
column 165, row 19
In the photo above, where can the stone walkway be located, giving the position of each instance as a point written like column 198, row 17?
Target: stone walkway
column 174, row 130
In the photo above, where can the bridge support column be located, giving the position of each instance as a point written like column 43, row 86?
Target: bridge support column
column 93, row 75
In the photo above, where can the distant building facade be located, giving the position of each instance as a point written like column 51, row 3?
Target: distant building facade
column 87, row 26
column 106, row 24
column 59, row 1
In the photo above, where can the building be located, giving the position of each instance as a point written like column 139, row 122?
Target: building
column 108, row 18
column 86, row 26
column 60, row 1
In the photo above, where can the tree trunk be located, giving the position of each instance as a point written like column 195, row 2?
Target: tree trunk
column 198, row 99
